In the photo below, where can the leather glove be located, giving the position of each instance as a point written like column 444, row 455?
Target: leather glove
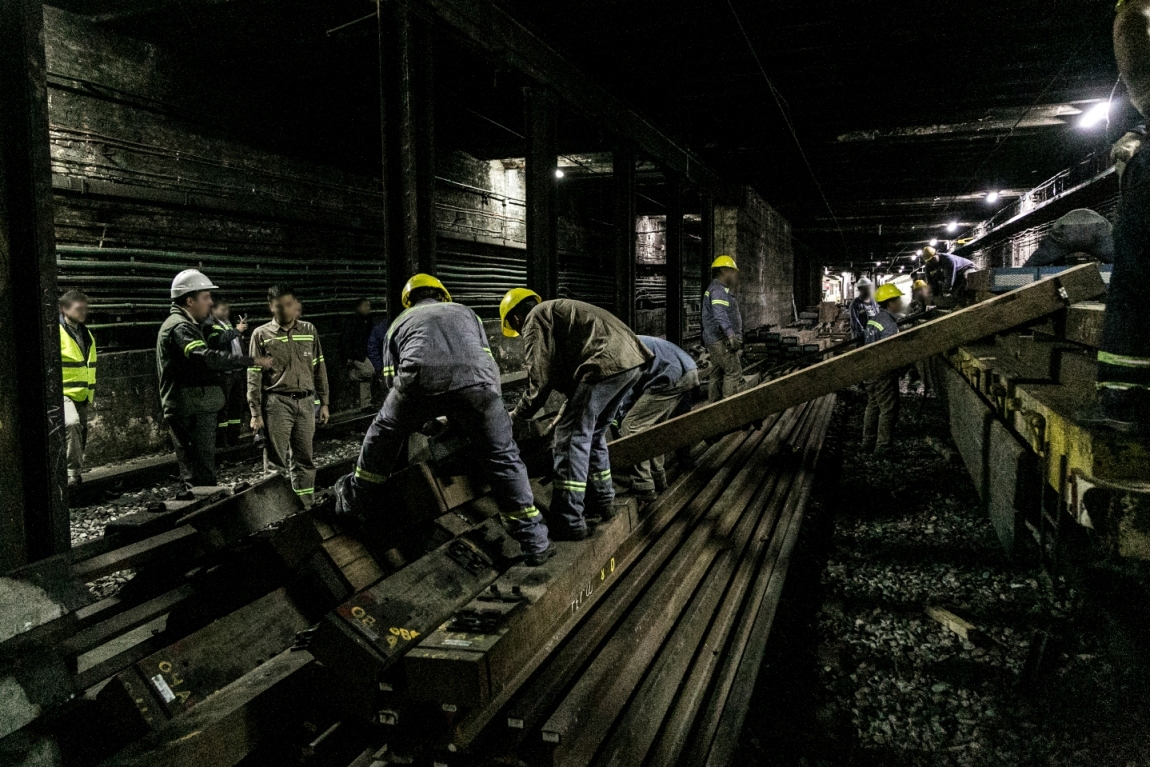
column 1124, row 150
column 734, row 343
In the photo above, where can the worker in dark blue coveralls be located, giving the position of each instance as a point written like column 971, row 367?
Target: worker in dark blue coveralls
column 862, row 308
column 592, row 357
column 1078, row 237
column 376, row 343
column 723, row 330
column 665, row 390
column 1124, row 354
column 438, row 362
column 946, row 272
column 882, row 392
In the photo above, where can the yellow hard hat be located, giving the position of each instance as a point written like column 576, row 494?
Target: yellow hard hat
column 511, row 300
column 420, row 281
column 928, row 252
column 726, row 261
column 919, row 284
column 887, row 292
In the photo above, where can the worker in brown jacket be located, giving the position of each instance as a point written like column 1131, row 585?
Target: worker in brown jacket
column 592, row 357
column 283, row 398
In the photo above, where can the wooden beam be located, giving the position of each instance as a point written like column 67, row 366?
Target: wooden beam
column 542, row 215
column 33, row 507
column 993, row 316
column 623, row 164
column 493, row 30
column 674, row 200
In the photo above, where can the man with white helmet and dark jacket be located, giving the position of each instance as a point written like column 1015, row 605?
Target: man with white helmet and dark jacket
column 189, row 372
column 863, row 308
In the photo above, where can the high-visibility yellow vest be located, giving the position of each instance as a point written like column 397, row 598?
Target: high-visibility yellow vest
column 79, row 373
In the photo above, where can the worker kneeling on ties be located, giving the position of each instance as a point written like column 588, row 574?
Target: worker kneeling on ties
column 946, row 272
column 592, row 357
column 438, row 362
column 189, row 372
column 723, row 330
column 664, row 390
column 882, row 393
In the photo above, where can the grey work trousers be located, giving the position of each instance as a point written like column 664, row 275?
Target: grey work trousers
column 882, row 403
column 726, row 372
column 290, row 425
column 194, row 435
column 652, row 408
column 75, row 434
column 361, row 373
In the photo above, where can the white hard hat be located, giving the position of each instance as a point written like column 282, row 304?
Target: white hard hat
column 190, row 281
column 864, row 282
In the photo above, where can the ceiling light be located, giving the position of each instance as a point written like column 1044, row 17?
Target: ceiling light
column 933, row 243
column 952, row 226
column 992, row 197
column 917, row 253
column 558, row 173
column 1094, row 115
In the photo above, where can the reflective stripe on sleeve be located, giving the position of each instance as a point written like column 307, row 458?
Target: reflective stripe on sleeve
column 193, row 345
column 717, row 302
column 1123, row 360
column 369, row 476
column 874, row 324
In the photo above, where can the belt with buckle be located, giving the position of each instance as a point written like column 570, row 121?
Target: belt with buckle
column 294, row 394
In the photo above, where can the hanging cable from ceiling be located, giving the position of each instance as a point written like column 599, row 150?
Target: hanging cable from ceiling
column 778, row 97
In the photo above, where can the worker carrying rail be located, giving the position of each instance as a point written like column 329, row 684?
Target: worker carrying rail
column 946, row 272
column 862, row 308
column 592, row 357
column 882, row 393
column 189, row 372
column 1124, row 354
column 665, row 390
column 438, row 362
column 723, row 330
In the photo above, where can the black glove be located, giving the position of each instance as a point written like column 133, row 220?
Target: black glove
column 734, row 344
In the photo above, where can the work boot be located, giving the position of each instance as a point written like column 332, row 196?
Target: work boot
column 560, row 534
column 660, row 478
column 539, row 557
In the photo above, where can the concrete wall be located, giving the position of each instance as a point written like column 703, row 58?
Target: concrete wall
column 759, row 239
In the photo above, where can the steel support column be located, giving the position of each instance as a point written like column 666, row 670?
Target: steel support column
column 33, row 503
column 674, row 197
column 623, row 164
column 707, row 234
column 408, row 173
column 542, row 213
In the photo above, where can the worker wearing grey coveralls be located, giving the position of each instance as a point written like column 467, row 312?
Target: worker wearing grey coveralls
column 438, row 362
column 1080, row 236
column 593, row 358
column 664, row 391
column 723, row 330
column 882, row 393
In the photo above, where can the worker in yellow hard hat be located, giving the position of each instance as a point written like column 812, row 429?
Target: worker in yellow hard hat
column 882, row 392
column 946, row 272
column 439, row 363
column 920, row 295
column 723, row 329
column 593, row 358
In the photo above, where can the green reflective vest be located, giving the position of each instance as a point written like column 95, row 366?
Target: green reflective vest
column 79, row 373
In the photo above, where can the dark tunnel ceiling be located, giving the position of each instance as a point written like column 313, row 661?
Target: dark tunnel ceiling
column 897, row 103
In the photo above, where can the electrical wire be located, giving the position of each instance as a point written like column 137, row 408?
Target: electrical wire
column 779, row 101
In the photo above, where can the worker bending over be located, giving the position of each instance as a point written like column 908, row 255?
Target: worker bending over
column 438, row 362
column 920, row 296
column 592, row 357
column 862, row 308
column 222, row 335
column 1124, row 354
column 189, row 372
column 1079, row 237
column 882, row 393
column 78, row 364
column 284, row 397
column 723, row 329
column 664, row 390
column 946, row 272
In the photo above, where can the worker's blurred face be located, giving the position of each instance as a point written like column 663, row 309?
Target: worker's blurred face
column 221, row 310
column 77, row 312
column 364, row 307
column 895, row 305
column 285, row 309
column 728, row 276
column 866, row 291
column 199, row 305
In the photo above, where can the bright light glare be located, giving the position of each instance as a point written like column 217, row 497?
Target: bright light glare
column 558, row 173
column 933, row 243
column 917, row 253
column 1095, row 115
column 952, row 226
column 992, row 197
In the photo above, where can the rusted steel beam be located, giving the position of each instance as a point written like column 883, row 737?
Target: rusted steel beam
column 995, row 315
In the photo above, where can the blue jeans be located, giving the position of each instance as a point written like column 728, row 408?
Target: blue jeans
column 479, row 413
column 1124, row 356
column 582, row 465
